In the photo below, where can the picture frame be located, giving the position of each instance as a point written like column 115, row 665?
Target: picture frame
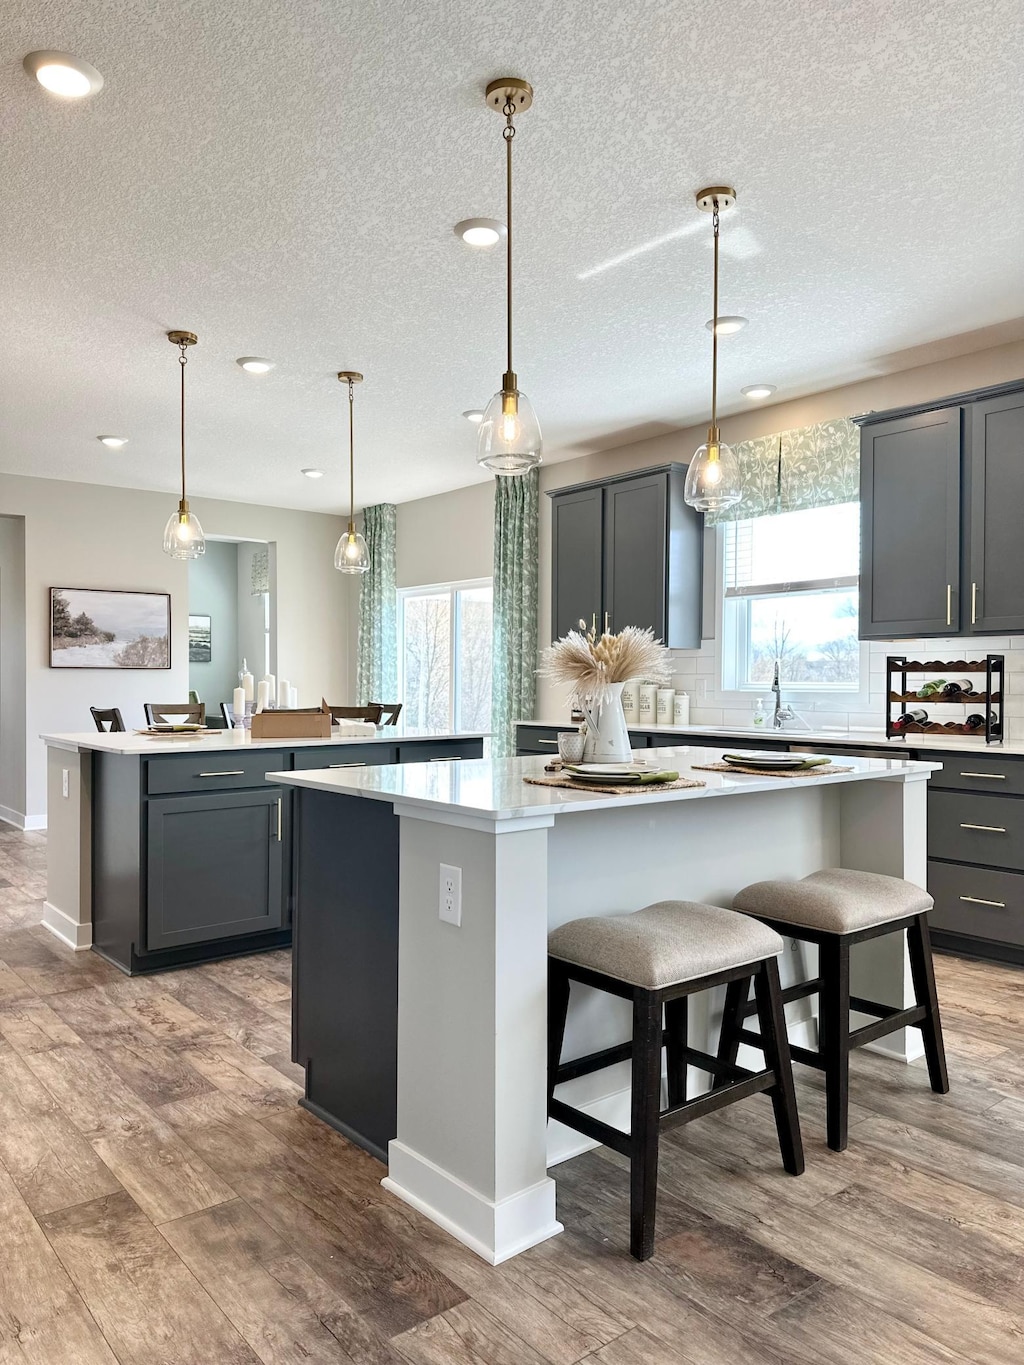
column 104, row 628
column 200, row 639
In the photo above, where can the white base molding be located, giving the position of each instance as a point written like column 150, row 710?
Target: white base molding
column 9, row 816
column 69, row 931
column 495, row 1230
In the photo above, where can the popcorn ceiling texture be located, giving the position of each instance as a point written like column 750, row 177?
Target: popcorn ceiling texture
column 282, row 178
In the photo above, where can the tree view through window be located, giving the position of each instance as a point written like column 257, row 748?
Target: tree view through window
column 444, row 652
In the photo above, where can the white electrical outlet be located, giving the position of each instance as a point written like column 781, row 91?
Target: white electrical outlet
column 65, row 780
column 449, row 906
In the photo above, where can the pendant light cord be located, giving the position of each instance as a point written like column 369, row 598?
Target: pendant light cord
column 714, row 331
column 508, row 133
column 182, row 361
column 351, row 462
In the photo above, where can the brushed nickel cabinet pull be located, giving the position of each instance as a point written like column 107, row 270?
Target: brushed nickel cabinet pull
column 346, row 765
column 992, row 777
column 278, row 819
column 991, row 829
column 949, row 604
column 553, row 742
column 446, row 758
column 224, row 772
column 974, row 603
column 980, row 900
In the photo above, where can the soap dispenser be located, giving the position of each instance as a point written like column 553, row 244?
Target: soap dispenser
column 760, row 714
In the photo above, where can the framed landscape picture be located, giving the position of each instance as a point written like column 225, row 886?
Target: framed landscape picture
column 100, row 628
column 199, row 640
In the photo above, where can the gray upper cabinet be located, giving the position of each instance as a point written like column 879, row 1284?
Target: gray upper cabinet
column 910, row 526
column 628, row 552
column 996, row 506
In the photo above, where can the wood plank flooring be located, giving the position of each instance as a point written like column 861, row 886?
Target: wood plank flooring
column 163, row 1200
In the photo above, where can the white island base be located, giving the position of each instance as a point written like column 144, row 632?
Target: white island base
column 473, row 1144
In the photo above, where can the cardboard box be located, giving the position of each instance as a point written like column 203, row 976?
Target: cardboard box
column 308, row 723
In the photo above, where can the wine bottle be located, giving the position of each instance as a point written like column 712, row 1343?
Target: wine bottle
column 959, row 687
column 976, row 721
column 930, row 689
column 917, row 715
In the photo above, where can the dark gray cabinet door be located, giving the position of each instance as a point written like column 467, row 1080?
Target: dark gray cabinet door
column 214, row 866
column 636, row 553
column 576, row 530
column 910, row 526
column 996, row 498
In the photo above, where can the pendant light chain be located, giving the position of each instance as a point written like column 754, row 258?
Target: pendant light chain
column 508, row 133
column 351, row 460
column 714, row 330
column 182, row 361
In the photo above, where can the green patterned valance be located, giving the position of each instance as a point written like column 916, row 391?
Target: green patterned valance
column 816, row 466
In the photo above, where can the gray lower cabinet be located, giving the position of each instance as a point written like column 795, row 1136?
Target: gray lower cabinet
column 215, row 866
column 996, row 501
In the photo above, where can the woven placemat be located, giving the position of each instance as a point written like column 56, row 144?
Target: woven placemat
column 822, row 770
column 560, row 780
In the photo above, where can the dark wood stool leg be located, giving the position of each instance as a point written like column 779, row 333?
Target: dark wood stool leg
column 646, row 1111
column 558, row 1008
column 922, row 970
column 736, row 994
column 676, row 1018
column 772, row 1018
column 834, row 1022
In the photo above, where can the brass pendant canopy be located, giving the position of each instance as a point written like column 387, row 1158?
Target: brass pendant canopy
column 183, row 535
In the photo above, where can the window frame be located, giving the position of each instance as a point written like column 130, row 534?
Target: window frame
column 452, row 591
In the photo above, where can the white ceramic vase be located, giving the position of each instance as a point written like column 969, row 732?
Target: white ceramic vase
column 607, row 736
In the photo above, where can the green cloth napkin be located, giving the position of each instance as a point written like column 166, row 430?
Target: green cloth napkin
column 789, row 767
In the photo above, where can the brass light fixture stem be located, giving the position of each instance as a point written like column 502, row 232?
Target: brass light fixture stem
column 508, row 133
column 713, row 434
column 351, row 378
column 183, row 340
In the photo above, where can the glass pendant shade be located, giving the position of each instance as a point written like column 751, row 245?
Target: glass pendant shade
column 183, row 536
column 508, row 437
column 351, row 554
column 713, row 478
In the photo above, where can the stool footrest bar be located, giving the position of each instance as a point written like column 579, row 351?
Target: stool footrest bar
column 590, row 1127
column 901, row 1019
column 798, row 992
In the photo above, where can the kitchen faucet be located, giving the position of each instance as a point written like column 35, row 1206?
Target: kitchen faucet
column 781, row 713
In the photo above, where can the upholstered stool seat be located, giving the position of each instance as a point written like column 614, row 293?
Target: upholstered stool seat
column 657, row 958
column 837, row 908
column 665, row 943
column 836, row 899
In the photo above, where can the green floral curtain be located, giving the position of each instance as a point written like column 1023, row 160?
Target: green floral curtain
column 378, row 607
column 514, row 676
column 815, row 466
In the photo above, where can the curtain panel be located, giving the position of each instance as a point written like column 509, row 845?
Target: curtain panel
column 816, row 466
column 377, row 667
column 514, row 665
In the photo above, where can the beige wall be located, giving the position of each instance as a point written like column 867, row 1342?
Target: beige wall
column 86, row 535
column 12, row 667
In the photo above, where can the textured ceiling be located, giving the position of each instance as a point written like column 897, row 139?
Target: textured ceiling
column 282, row 178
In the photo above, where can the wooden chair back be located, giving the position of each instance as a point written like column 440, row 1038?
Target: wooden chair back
column 164, row 713
column 390, row 711
column 107, row 719
column 372, row 713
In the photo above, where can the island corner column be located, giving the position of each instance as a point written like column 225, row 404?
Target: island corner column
column 470, row 1149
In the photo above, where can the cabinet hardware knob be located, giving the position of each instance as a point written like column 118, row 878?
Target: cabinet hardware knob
column 346, row 765
column 990, row 829
column 974, row 603
column 980, row 900
column 992, row 777
column 949, row 604
column 224, row 772
column 447, row 758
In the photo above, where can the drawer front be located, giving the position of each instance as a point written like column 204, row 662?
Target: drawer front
column 991, row 775
column 223, row 770
column 436, row 751
column 531, row 739
column 976, row 829
column 977, row 901
column 345, row 756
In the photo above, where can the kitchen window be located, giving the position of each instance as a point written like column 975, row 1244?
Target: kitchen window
column 791, row 593
column 444, row 655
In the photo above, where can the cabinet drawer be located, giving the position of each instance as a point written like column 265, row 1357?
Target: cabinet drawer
column 345, row 756
column 531, row 739
column 985, row 773
column 222, row 770
column 977, row 901
column 437, row 751
column 967, row 828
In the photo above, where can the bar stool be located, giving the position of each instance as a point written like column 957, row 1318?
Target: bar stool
column 836, row 908
column 657, row 958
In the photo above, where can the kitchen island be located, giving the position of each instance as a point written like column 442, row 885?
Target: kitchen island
column 166, row 851
column 455, row 1098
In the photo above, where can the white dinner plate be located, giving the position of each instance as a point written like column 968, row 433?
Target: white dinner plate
column 607, row 769
column 763, row 760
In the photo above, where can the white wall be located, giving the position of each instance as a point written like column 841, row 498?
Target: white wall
column 86, row 535
column 252, row 633
column 213, row 592
column 12, row 667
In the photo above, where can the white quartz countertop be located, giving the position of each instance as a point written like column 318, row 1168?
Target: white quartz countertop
column 494, row 789
column 866, row 739
column 127, row 742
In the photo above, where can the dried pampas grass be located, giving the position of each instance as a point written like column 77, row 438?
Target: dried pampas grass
column 589, row 663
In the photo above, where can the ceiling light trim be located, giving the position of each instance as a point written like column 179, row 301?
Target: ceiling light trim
column 37, row 64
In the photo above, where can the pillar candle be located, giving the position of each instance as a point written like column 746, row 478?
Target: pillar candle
column 283, row 693
column 293, row 698
column 262, row 695
column 247, row 682
column 238, row 702
column 271, row 688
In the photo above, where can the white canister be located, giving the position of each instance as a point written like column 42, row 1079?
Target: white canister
column 665, row 703
column 681, row 709
column 631, row 702
column 648, row 703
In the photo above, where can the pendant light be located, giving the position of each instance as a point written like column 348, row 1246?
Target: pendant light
column 713, row 478
column 183, row 536
column 508, row 437
column 351, row 554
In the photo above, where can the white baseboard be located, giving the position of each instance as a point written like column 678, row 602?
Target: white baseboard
column 35, row 822
column 495, row 1230
column 69, row 931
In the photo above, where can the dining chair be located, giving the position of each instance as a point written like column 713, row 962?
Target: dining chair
column 164, row 713
column 107, row 719
column 372, row 712
column 390, row 711
column 228, row 713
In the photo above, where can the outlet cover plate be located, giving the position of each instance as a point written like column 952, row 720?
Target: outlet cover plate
column 449, row 905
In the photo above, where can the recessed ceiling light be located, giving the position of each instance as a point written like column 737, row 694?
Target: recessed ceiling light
column 114, row 442
column 62, row 74
column 254, row 364
column 758, row 391
column 313, row 473
column 727, row 325
column 474, row 415
column 480, row 231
